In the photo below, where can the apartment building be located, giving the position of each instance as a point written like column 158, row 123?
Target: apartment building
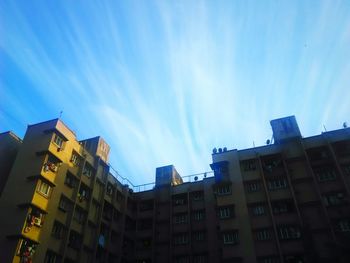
column 9, row 145
column 287, row 201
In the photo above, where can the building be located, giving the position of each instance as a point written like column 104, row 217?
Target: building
column 9, row 145
column 287, row 201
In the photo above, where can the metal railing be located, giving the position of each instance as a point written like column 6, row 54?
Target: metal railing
column 149, row 186
column 197, row 177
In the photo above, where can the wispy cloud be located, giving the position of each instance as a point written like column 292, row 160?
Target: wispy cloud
column 165, row 82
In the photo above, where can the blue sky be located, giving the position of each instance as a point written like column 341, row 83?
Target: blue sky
column 164, row 82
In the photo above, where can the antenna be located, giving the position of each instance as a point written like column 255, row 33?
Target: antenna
column 61, row 113
column 324, row 127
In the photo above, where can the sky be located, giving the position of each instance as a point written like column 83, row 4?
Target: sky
column 164, row 82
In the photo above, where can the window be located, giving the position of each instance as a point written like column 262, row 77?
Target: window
column 200, row 258
column 180, row 219
column 145, row 224
column 84, row 193
column 146, row 205
column 107, row 211
column 130, row 224
column 57, row 230
column 254, row 186
column 223, row 189
column 318, row 154
column 344, row 225
column 271, row 165
column 269, row 259
column 226, row 212
column 120, row 197
column 198, row 196
column 199, row 236
column 198, row 215
column 103, row 236
column 263, row 234
column 181, row 239
column 88, row 170
column 114, row 237
column 281, row 207
column 294, row 259
column 258, row 210
column 230, row 238
column 70, row 180
column 146, row 243
column 58, row 140
column 26, row 249
column 50, row 165
column 288, row 232
column 346, row 169
column 109, row 190
column 116, row 215
column 276, row 184
column 43, row 188
column 326, row 174
column 179, row 200
column 181, row 259
column 75, row 159
column 34, row 218
column 75, row 240
column 52, row 257
column 68, row 260
column 80, row 215
column 65, row 204
column 334, row 199
column 221, row 171
column 249, row 165
column 131, row 205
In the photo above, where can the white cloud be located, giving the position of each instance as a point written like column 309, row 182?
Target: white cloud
column 165, row 82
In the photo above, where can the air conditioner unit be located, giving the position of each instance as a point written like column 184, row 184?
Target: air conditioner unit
column 53, row 167
column 37, row 221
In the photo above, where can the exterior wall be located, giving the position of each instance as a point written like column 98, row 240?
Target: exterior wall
column 9, row 145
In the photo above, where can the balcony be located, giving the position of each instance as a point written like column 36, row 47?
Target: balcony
column 32, row 228
column 26, row 250
column 319, row 156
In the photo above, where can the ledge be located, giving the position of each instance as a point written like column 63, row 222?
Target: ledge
column 58, row 132
column 41, row 177
column 25, row 205
column 18, row 236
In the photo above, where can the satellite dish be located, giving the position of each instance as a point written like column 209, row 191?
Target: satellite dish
column 225, row 149
column 268, row 141
column 196, row 178
column 345, row 125
column 220, row 150
column 215, row 151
